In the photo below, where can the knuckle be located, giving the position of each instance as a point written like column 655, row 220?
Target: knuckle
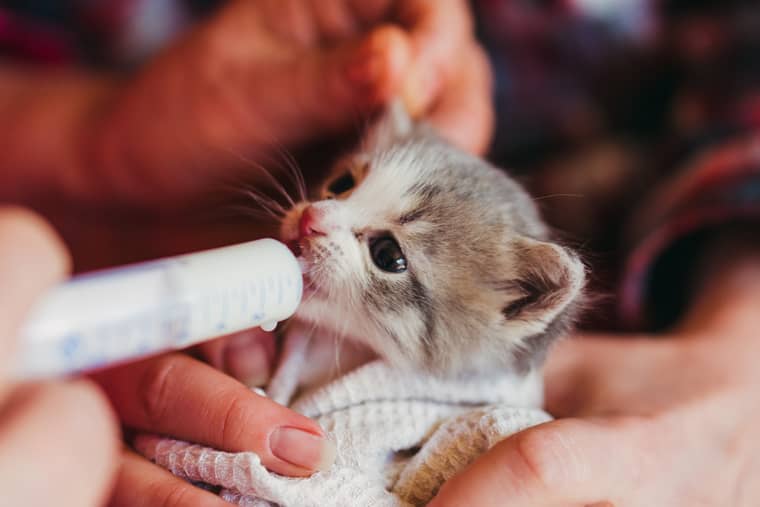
column 155, row 388
column 180, row 494
column 175, row 495
column 235, row 428
column 536, row 456
column 546, row 457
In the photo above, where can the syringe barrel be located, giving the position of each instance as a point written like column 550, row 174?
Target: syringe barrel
column 103, row 318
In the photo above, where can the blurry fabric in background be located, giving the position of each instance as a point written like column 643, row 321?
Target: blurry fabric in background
column 605, row 106
column 602, row 108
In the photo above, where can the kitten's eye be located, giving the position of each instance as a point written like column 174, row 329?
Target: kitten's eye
column 343, row 183
column 387, row 255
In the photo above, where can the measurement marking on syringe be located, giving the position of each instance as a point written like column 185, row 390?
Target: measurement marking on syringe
column 135, row 311
column 70, row 345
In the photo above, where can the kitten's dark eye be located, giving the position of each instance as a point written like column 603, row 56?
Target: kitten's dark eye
column 341, row 184
column 387, row 255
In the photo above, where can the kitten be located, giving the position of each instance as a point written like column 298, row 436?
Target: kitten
column 431, row 257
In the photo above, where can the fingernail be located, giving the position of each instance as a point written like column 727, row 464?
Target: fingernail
column 302, row 449
column 248, row 363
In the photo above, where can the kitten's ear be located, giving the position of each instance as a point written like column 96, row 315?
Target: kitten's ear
column 393, row 125
column 548, row 278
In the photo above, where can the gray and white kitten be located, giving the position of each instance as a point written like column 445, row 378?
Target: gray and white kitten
column 431, row 257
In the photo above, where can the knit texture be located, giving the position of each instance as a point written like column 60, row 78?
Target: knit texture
column 399, row 437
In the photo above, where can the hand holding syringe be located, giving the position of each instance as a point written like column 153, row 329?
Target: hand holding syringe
column 113, row 316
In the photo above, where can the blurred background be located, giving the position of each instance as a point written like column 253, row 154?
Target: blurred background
column 598, row 101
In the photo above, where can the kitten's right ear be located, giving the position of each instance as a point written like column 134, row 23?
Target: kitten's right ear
column 392, row 126
column 548, row 278
column 540, row 299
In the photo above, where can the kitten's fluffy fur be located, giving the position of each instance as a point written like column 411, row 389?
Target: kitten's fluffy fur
column 485, row 287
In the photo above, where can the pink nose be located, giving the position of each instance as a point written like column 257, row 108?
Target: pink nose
column 310, row 223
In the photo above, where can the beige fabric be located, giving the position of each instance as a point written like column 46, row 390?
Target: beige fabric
column 399, row 436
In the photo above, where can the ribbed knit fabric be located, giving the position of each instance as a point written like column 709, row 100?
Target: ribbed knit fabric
column 399, row 437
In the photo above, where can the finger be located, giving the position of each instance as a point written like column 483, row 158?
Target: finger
column 590, row 374
column 569, row 377
column 334, row 89
column 464, row 113
column 335, row 20
column 439, row 31
column 370, row 12
column 179, row 396
column 140, row 483
column 31, row 259
column 59, row 446
column 567, row 462
column 248, row 356
column 290, row 18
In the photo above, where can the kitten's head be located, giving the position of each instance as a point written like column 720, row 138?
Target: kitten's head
column 431, row 257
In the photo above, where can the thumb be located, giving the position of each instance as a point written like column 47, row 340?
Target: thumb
column 329, row 90
column 32, row 258
column 566, row 462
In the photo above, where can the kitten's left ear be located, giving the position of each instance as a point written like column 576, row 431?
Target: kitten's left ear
column 394, row 124
column 547, row 280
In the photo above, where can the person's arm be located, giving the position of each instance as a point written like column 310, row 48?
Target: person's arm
column 44, row 120
column 202, row 114
column 233, row 91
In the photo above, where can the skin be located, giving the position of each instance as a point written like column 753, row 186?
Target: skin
column 121, row 165
column 304, row 71
column 664, row 421
column 80, row 448
column 675, row 448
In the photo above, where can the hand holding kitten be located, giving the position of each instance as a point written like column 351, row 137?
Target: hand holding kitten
column 668, row 420
column 257, row 76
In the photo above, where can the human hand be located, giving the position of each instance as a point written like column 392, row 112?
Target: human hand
column 669, row 421
column 99, row 155
column 259, row 76
column 58, row 441
column 181, row 397
column 263, row 74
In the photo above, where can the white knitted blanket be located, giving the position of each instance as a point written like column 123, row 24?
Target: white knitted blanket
column 399, row 437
